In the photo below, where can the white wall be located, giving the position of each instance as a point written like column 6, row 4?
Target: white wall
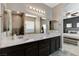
column 0, row 18
column 71, row 7
column 57, row 14
column 0, row 8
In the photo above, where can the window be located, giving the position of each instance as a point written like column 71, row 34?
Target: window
column 68, row 25
column 77, row 24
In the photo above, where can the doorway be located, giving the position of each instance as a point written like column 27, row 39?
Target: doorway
column 29, row 24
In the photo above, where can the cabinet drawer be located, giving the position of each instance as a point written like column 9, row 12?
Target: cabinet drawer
column 57, row 43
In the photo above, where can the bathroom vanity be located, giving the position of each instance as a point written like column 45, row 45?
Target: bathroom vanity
column 27, row 34
column 40, row 45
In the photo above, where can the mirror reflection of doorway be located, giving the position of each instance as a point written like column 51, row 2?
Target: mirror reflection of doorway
column 17, row 23
column 6, row 21
column 43, row 25
column 29, row 24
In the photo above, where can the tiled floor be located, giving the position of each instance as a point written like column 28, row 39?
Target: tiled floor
column 71, row 48
column 68, row 50
column 62, row 53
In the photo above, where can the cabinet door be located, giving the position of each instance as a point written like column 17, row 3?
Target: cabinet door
column 12, row 51
column 57, row 43
column 52, row 45
column 31, row 49
column 15, row 50
column 44, row 51
column 19, row 52
column 3, row 52
column 43, row 47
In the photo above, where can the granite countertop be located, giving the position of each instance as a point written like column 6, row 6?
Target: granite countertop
column 7, row 42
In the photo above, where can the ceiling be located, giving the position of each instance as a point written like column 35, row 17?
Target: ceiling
column 51, row 4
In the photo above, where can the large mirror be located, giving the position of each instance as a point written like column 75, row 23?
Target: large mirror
column 20, row 23
column 43, row 25
column 6, row 19
column 29, row 24
column 6, row 22
column 34, row 24
column 17, row 23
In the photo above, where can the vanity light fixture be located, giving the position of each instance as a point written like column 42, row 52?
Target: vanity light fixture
column 36, row 10
column 30, row 7
column 30, row 15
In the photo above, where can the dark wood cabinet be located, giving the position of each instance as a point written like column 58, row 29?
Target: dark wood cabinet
column 31, row 49
column 39, row 48
column 12, row 51
column 43, row 47
column 54, row 44
column 57, row 43
column 19, row 52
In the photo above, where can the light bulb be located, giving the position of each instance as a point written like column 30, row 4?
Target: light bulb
column 30, row 7
column 18, row 12
column 44, row 12
column 33, row 8
column 41, row 11
column 37, row 10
